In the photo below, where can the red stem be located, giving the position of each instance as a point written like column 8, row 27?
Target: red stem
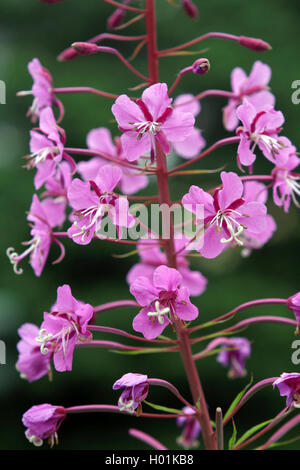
column 163, row 186
column 219, row 143
column 196, row 40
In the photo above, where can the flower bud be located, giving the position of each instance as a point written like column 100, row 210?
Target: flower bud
column 201, row 66
column 85, row 48
column 293, row 303
column 190, row 9
column 115, row 19
column 67, row 54
column 255, row 44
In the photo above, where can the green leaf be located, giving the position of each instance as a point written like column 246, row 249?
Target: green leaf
column 233, row 437
column 126, row 255
column 163, row 408
column 252, row 431
column 237, row 399
column 283, row 443
column 140, row 351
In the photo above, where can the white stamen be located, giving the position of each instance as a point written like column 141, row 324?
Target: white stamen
column 159, row 314
column 126, row 406
column 235, row 228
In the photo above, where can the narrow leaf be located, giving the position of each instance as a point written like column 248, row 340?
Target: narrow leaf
column 238, row 399
column 233, row 437
column 163, row 408
column 252, row 431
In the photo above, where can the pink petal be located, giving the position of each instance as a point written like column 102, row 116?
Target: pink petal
column 193, row 280
column 260, row 75
column 88, row 170
column 245, row 155
column 192, row 106
column 143, row 324
column 191, row 146
column 144, row 291
column 80, row 195
column 133, row 147
column 184, row 309
column 167, row 278
column 232, row 189
column 100, row 139
column 212, row 245
column 156, row 99
column 238, row 78
column 108, row 177
column 132, row 182
column 127, row 112
column 178, row 126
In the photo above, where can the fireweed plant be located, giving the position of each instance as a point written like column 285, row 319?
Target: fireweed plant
column 87, row 195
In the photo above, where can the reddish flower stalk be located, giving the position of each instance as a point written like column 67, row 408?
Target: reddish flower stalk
column 142, row 436
column 281, row 432
column 219, row 143
column 116, row 331
column 240, row 308
column 70, row 53
column 253, row 390
column 114, row 409
column 280, row 416
column 251, row 43
column 88, row 48
column 82, row 89
column 92, row 152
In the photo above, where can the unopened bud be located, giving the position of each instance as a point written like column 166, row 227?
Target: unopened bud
column 190, row 9
column 201, row 66
column 85, row 48
column 255, row 44
column 68, row 54
column 116, row 18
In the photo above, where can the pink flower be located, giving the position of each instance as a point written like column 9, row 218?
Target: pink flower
column 194, row 143
column 100, row 140
column 42, row 89
column 31, row 364
column 260, row 128
column 238, row 349
column 63, row 327
column 42, row 422
column 191, row 430
column 150, row 120
column 288, row 385
column 45, row 216
column 227, row 215
column 57, row 185
column 253, row 87
column 46, row 147
column 91, row 201
column 152, row 257
column 136, row 390
column 257, row 192
column 286, row 185
column 163, row 301
column 293, row 303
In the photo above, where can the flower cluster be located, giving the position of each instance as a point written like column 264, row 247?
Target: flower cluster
column 83, row 189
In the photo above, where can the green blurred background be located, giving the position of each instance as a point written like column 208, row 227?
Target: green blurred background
column 31, row 29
